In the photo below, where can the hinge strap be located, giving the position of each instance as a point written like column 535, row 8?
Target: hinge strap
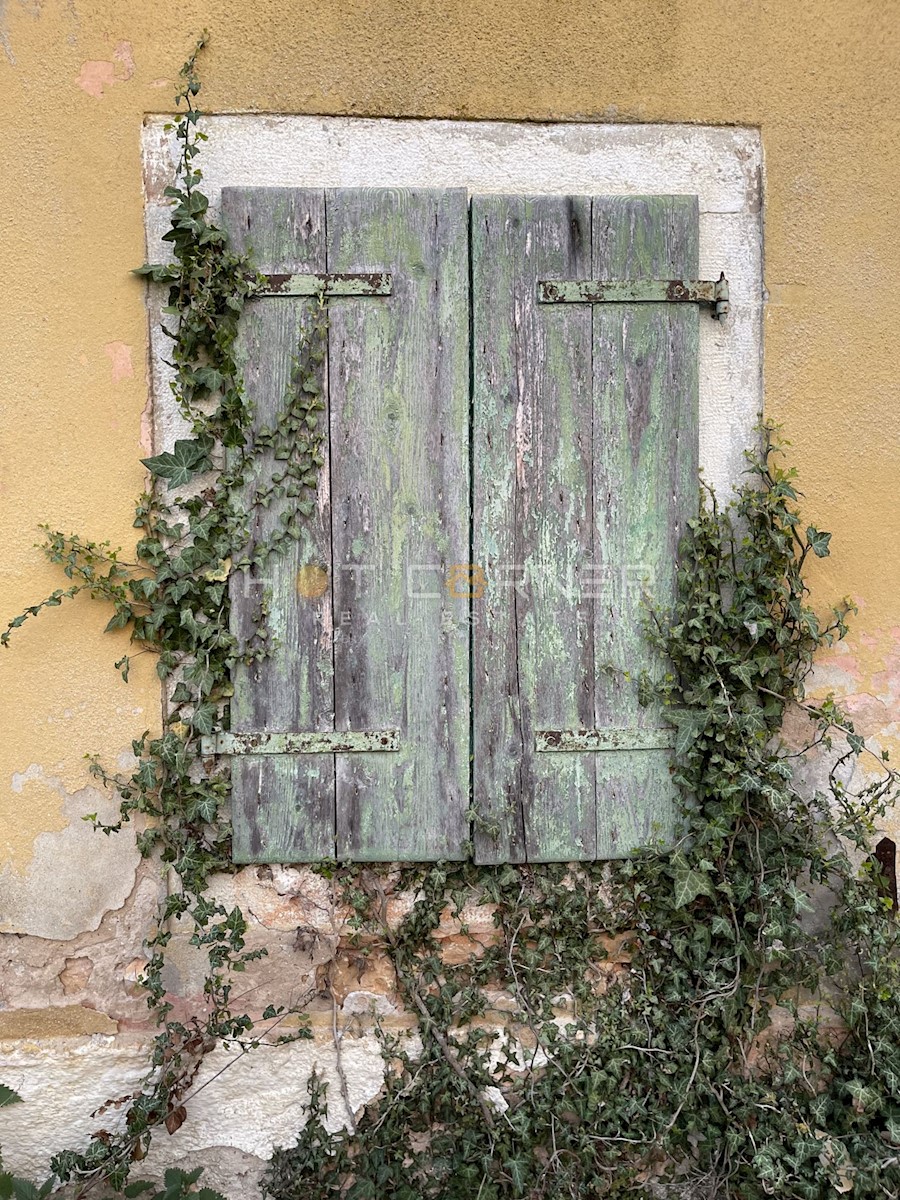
column 638, row 291
column 556, row 740
column 312, row 742
column 327, row 285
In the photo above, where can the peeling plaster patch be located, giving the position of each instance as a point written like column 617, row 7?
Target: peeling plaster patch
column 72, row 14
column 61, row 883
column 63, row 1086
column 65, row 1020
column 864, row 672
column 92, row 971
column 76, row 974
column 255, row 1102
column 119, row 354
column 283, row 898
column 4, row 35
column 126, row 761
column 97, row 74
column 146, row 435
column 32, row 772
column 43, row 807
column 231, row 1172
column 94, row 76
column 251, row 1102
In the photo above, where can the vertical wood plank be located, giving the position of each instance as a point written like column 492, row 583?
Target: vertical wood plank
column 399, row 370
column 283, row 806
column 532, row 529
column 646, row 463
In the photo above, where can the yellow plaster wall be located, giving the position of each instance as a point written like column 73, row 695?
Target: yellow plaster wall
column 820, row 77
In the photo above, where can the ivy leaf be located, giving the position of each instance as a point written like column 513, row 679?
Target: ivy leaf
column 181, row 464
column 209, row 377
column 744, row 671
column 174, row 1121
column 12, row 1188
column 518, row 1172
column 119, row 620
column 688, row 725
column 8, row 1096
column 818, row 541
column 203, row 807
column 856, row 743
column 182, row 694
column 160, row 272
column 689, row 882
column 204, row 718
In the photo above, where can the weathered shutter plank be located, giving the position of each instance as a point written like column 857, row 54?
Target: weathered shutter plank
column 399, row 369
column 585, row 472
column 533, row 516
column 646, row 463
column 283, row 805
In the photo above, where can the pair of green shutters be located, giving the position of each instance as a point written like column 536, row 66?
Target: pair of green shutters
column 503, row 480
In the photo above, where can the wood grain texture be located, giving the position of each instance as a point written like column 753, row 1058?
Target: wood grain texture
column 584, row 465
column 646, row 389
column 399, row 370
column 585, row 470
column 283, row 807
column 532, row 529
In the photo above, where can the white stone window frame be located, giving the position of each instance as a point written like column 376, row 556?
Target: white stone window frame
column 723, row 166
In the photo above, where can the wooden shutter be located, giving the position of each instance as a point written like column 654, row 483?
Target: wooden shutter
column 381, row 643
column 585, row 472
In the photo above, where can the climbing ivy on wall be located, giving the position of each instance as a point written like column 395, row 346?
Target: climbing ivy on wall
column 716, row 1018
column 173, row 600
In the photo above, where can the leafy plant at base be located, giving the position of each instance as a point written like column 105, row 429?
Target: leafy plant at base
column 674, row 1024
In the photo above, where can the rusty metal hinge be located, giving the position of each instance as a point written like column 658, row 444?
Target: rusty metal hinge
column 327, row 285
column 581, row 740
column 312, row 742
column 638, row 291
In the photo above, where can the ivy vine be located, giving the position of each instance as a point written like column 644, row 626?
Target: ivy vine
column 172, row 598
column 691, row 1022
